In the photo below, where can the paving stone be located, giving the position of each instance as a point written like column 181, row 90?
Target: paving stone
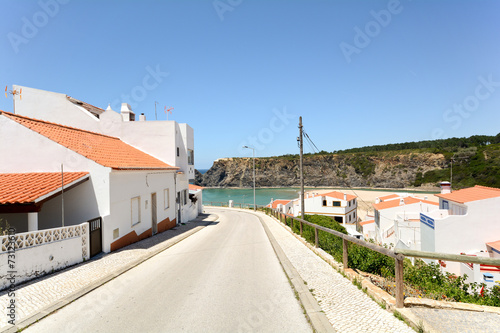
column 347, row 308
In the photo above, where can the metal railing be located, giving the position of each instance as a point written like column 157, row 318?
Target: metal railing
column 397, row 254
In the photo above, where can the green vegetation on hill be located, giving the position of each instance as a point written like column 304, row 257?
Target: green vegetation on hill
column 475, row 160
column 437, row 145
column 471, row 166
column 421, row 279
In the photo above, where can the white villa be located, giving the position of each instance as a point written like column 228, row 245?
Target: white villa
column 467, row 222
column 340, row 206
column 397, row 219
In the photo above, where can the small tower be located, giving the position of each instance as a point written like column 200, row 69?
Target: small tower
column 127, row 113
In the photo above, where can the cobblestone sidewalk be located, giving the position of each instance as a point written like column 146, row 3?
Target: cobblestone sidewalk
column 348, row 309
column 38, row 294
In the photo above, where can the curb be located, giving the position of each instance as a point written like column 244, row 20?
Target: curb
column 25, row 322
column 313, row 311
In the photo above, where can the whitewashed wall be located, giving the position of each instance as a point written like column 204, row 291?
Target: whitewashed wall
column 29, row 151
column 388, row 215
column 41, row 252
column 463, row 233
column 126, row 185
column 54, row 107
column 80, row 205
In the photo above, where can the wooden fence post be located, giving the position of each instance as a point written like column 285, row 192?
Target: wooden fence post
column 400, row 297
column 316, row 236
column 344, row 253
column 300, row 227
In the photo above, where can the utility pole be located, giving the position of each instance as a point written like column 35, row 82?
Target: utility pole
column 451, row 173
column 301, row 143
column 62, row 194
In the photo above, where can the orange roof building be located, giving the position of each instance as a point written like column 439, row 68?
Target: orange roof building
column 35, row 187
column 274, row 204
column 401, row 209
column 105, row 150
column 471, row 194
column 124, row 185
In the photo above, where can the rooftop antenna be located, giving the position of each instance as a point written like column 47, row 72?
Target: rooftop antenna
column 167, row 111
column 156, row 117
column 14, row 92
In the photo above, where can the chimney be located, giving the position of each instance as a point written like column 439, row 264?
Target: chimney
column 401, row 201
column 445, row 187
column 425, row 197
column 142, row 117
column 345, row 197
column 127, row 113
column 377, row 200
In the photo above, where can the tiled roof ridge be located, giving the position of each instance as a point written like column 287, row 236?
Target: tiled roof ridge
column 77, row 100
column 488, row 188
column 10, row 115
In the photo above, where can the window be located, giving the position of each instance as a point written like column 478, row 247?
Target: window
column 354, row 214
column 444, row 204
column 178, row 152
column 349, row 204
column 324, row 202
column 136, row 210
column 190, row 156
column 184, row 197
column 166, row 198
column 336, row 203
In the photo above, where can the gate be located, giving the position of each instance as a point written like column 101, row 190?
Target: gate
column 95, row 227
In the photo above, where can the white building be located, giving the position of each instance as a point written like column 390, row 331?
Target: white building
column 135, row 173
column 397, row 219
column 339, row 206
column 467, row 222
column 283, row 206
column 127, row 188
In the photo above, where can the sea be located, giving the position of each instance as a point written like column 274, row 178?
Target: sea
column 263, row 196
column 244, row 196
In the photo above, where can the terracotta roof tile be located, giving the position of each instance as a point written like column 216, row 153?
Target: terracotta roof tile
column 195, row 187
column 395, row 203
column 367, row 222
column 28, row 187
column 339, row 195
column 495, row 245
column 471, row 194
column 104, row 150
column 278, row 202
column 89, row 107
column 388, row 197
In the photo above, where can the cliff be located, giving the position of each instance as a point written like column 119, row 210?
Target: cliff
column 383, row 170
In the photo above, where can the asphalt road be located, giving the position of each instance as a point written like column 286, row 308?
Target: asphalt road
column 225, row 278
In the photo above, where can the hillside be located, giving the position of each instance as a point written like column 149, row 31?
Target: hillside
column 476, row 160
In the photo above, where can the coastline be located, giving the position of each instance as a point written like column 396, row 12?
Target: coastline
column 366, row 196
column 429, row 190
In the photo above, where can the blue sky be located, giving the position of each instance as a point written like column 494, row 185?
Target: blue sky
column 240, row 72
